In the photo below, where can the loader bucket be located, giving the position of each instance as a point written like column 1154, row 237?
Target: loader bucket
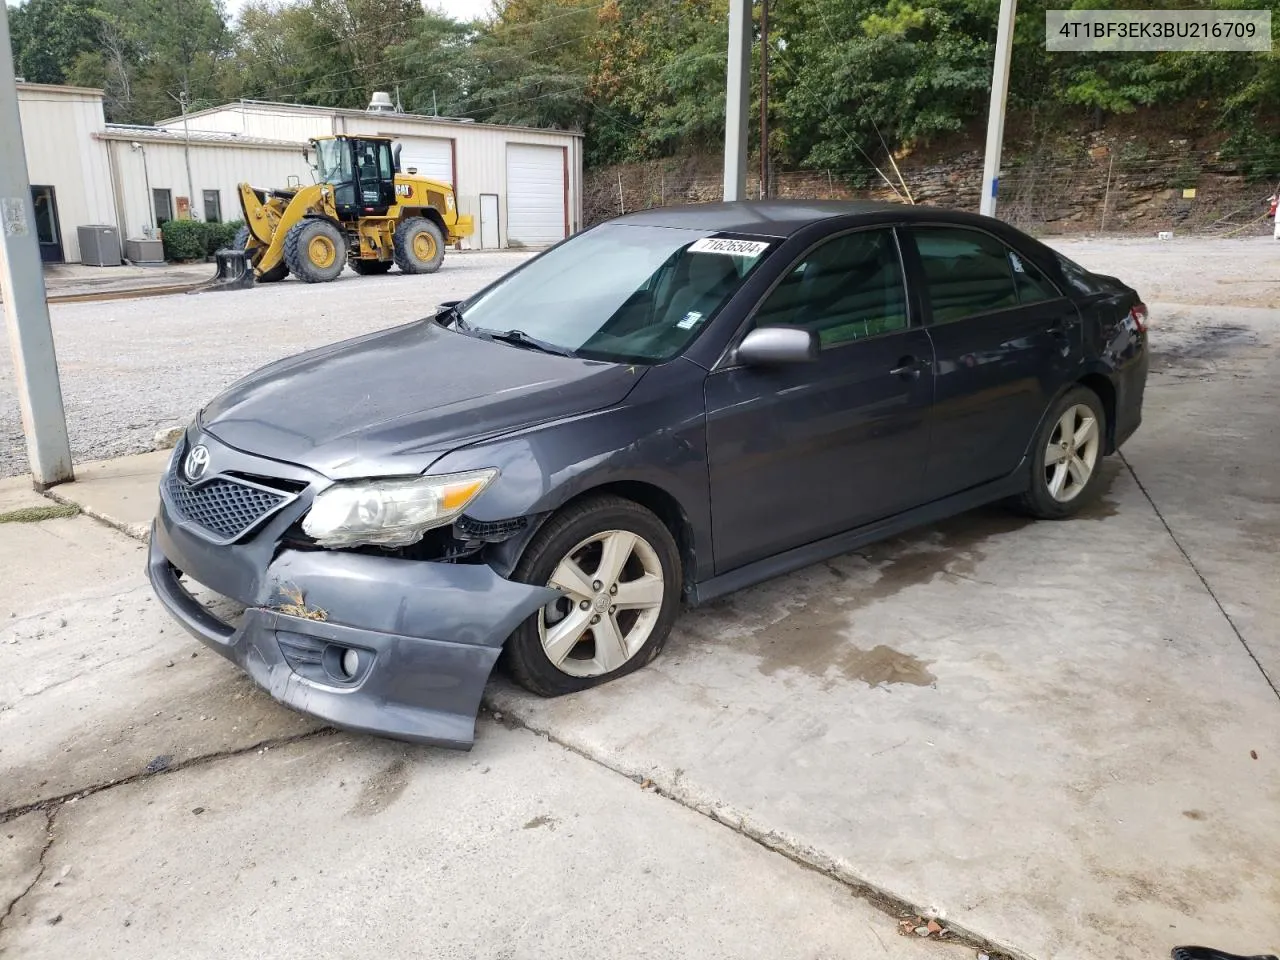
column 234, row 272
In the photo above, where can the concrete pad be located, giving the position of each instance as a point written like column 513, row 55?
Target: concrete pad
column 16, row 493
column 50, row 561
column 22, row 842
column 1207, row 455
column 1044, row 732
column 122, row 492
column 103, row 685
column 347, row 847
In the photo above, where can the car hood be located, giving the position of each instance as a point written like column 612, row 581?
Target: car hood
column 395, row 401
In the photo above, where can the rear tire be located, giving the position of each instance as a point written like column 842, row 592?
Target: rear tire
column 1066, row 460
column 315, row 250
column 418, row 246
column 632, row 555
column 370, row 268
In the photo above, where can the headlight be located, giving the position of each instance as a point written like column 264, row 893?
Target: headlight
column 390, row 513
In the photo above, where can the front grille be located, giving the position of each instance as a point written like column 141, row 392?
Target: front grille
column 225, row 508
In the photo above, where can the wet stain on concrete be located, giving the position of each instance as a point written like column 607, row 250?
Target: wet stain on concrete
column 382, row 789
column 1194, row 814
column 812, row 642
column 955, row 552
column 812, row 635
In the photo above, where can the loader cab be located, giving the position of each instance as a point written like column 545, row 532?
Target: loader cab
column 361, row 171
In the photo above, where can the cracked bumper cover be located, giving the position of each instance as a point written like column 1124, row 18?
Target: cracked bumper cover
column 430, row 632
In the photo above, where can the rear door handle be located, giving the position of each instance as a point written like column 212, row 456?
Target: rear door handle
column 908, row 367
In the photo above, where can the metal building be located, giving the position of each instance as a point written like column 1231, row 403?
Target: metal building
column 522, row 185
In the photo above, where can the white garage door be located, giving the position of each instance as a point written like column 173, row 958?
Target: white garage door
column 535, row 194
column 430, row 156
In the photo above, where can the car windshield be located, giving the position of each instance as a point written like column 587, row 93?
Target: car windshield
column 620, row 292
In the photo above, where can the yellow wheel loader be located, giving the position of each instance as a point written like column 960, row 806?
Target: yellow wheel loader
column 361, row 210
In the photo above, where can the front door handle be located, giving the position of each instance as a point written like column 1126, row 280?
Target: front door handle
column 908, row 367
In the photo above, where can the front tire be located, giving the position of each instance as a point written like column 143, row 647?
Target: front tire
column 618, row 569
column 1067, row 457
column 418, row 246
column 315, row 250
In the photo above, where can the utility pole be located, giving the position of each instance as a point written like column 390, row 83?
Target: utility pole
column 737, row 100
column 186, row 154
column 999, row 98
column 764, row 99
column 26, row 312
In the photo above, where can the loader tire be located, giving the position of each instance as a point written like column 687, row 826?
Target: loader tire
column 315, row 250
column 370, row 268
column 418, row 246
column 278, row 272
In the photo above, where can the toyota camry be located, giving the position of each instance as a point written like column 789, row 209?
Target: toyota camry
column 657, row 411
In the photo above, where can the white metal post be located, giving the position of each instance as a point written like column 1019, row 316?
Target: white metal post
column 999, row 97
column 26, row 312
column 737, row 100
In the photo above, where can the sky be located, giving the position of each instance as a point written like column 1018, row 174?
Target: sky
column 458, row 9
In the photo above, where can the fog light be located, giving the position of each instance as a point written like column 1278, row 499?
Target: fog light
column 350, row 664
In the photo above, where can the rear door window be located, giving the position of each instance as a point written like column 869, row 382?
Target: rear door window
column 967, row 272
column 1032, row 285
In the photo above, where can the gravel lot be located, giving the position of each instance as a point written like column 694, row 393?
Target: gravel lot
column 131, row 367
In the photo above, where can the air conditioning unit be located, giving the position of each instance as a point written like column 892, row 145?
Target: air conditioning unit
column 143, row 250
column 99, row 245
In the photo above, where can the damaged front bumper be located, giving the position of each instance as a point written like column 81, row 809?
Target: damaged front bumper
column 425, row 634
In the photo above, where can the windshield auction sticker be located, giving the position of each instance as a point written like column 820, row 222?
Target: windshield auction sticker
column 734, row 248
column 1112, row 31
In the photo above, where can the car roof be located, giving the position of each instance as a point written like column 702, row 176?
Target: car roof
column 782, row 218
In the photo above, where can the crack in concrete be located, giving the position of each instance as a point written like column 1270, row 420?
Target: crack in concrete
column 1203, row 580
column 50, row 815
column 802, row 855
column 203, row 760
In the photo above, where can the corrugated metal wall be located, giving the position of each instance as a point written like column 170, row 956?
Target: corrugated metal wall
column 213, row 167
column 253, row 121
column 99, row 178
column 58, row 127
column 480, row 150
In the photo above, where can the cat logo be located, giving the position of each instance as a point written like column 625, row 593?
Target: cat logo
column 404, row 190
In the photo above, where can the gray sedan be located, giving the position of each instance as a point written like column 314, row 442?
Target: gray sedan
column 660, row 410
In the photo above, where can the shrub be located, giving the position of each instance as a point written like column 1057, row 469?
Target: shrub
column 195, row 239
column 183, row 240
column 219, row 235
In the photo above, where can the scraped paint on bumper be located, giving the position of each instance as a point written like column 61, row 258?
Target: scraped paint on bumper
column 426, row 634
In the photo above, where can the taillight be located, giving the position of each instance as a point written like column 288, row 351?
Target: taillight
column 1138, row 314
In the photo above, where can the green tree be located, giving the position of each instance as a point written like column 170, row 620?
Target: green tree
column 532, row 64
column 49, row 35
column 289, row 53
column 435, row 65
column 855, row 77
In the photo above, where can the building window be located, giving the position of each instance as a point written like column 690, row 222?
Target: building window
column 162, row 202
column 212, row 206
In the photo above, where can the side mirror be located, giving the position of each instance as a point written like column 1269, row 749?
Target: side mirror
column 775, row 346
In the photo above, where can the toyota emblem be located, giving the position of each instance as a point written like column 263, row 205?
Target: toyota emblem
column 197, row 462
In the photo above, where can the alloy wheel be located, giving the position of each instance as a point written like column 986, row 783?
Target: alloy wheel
column 1072, row 453
column 613, row 586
